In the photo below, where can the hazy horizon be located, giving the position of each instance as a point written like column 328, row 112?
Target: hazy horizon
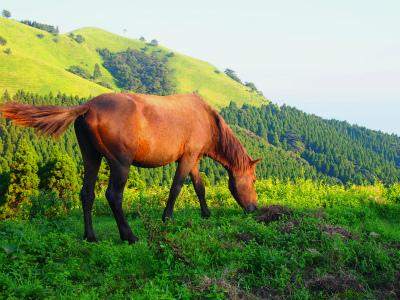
column 337, row 60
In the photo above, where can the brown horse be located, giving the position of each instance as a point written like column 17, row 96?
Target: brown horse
column 146, row 131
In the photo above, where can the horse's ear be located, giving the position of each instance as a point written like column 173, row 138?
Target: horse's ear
column 256, row 161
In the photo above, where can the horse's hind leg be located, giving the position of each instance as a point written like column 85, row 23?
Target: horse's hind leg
column 91, row 161
column 114, row 194
column 200, row 191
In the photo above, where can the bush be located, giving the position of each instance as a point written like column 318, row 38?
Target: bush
column 79, row 39
column 3, row 41
column 8, row 51
column 40, row 35
column 77, row 70
column 105, row 84
column 153, row 42
column 61, row 178
column 232, row 74
column 47, row 205
column 6, row 13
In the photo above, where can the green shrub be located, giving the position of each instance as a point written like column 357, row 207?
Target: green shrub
column 48, row 205
column 3, row 41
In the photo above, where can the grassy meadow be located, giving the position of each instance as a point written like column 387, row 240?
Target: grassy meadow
column 314, row 241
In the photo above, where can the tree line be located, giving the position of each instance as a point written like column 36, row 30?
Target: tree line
column 337, row 149
column 292, row 144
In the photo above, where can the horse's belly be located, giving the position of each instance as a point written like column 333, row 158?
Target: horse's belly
column 152, row 155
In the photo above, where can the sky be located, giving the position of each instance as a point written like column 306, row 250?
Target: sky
column 337, row 59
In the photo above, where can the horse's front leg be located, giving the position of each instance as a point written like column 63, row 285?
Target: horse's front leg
column 200, row 191
column 183, row 169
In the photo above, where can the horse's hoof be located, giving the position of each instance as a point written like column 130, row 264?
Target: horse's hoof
column 133, row 240
column 166, row 218
column 91, row 239
column 205, row 214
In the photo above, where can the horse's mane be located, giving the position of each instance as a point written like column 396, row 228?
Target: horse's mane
column 229, row 147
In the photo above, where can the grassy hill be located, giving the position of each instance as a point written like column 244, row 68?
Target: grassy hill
column 38, row 63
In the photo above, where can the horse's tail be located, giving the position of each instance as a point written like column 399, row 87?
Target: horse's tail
column 47, row 120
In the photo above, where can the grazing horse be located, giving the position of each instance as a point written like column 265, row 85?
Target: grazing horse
column 145, row 131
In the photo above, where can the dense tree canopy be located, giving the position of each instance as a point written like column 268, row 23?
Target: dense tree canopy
column 138, row 71
column 336, row 149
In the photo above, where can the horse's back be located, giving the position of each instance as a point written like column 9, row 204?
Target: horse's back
column 147, row 129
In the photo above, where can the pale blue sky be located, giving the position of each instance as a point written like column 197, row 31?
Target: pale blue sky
column 338, row 59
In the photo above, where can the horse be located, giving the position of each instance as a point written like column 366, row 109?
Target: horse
column 146, row 131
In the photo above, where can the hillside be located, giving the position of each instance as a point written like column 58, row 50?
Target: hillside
column 38, row 62
column 293, row 144
column 333, row 148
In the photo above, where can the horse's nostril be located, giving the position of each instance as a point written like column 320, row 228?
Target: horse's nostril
column 251, row 208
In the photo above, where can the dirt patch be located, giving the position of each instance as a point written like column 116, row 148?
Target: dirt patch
column 272, row 213
column 332, row 284
column 244, row 237
column 224, row 286
column 289, row 226
column 267, row 293
column 392, row 291
column 337, row 230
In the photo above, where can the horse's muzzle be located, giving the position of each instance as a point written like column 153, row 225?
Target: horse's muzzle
column 251, row 208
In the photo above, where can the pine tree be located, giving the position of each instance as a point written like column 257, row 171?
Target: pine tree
column 24, row 181
column 96, row 72
column 62, row 178
column 135, row 180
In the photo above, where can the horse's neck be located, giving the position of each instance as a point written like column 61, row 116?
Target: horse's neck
column 226, row 149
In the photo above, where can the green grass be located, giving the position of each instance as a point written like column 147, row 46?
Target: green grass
column 229, row 255
column 38, row 65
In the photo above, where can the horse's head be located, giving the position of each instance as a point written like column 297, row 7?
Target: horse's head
column 241, row 185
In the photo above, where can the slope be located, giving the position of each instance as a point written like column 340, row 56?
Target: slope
column 38, row 63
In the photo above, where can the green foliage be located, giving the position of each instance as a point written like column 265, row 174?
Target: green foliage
column 23, row 180
column 153, row 42
column 6, row 13
column 7, row 51
column 138, row 71
column 49, row 28
column 96, row 72
column 79, row 39
column 61, row 177
column 78, row 70
column 228, row 256
column 76, row 37
column 48, row 205
column 336, row 149
column 135, row 180
column 3, row 41
column 232, row 74
column 40, row 35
